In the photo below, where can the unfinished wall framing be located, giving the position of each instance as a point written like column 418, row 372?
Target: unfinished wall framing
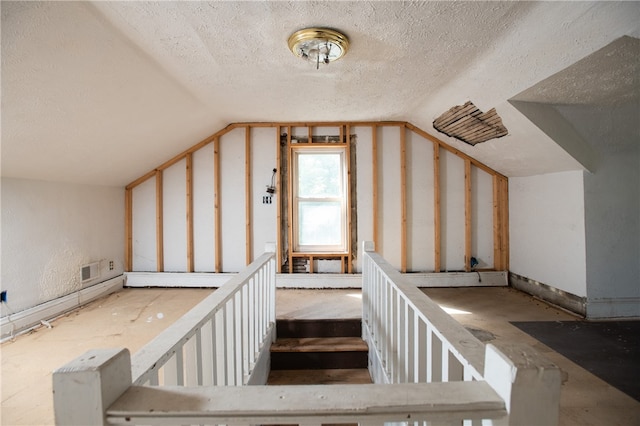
column 427, row 206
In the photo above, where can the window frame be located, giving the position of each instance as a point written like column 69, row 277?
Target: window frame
column 343, row 247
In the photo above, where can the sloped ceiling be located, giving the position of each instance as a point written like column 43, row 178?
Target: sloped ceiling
column 102, row 92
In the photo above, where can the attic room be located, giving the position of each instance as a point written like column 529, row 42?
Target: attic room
column 156, row 145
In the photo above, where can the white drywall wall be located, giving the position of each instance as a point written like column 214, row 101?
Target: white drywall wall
column 49, row 231
column 612, row 204
column 174, row 214
column 232, row 200
column 144, row 226
column 263, row 156
column 482, row 217
column 364, row 190
column 547, row 230
column 203, row 210
column 420, row 210
column 452, row 211
column 264, row 141
column 389, row 240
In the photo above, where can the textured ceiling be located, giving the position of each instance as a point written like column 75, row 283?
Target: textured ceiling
column 102, row 92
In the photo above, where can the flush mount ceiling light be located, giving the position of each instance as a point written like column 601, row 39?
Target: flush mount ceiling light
column 318, row 45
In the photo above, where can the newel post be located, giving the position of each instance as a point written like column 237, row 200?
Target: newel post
column 84, row 388
column 527, row 381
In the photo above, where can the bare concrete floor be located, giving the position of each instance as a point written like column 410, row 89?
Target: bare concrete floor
column 132, row 317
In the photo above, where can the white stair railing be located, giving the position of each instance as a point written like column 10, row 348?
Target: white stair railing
column 412, row 340
column 437, row 372
column 222, row 340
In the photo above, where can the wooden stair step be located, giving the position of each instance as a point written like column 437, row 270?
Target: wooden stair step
column 342, row 327
column 320, row 344
column 320, row 377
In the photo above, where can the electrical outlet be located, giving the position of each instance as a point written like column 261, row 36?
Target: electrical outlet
column 3, row 296
column 111, row 265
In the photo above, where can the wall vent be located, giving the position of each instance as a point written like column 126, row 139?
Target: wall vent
column 90, row 272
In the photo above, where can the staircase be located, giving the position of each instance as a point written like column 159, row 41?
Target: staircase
column 327, row 351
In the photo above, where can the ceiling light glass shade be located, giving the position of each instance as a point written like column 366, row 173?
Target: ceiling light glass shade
column 318, row 45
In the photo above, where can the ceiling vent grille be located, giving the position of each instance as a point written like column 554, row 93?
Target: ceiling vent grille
column 470, row 125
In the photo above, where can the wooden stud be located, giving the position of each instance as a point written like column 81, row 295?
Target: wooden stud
column 452, row 150
column 467, row 215
column 505, row 223
column 232, row 126
column 436, row 207
column 500, row 191
column 247, row 195
column 278, row 203
column 374, row 167
column 348, row 196
column 190, row 253
column 216, row 205
column 128, row 231
column 403, row 200
column 310, row 134
column 497, row 226
column 159, row 223
column 290, row 203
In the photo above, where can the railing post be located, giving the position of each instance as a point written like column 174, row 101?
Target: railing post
column 84, row 388
column 527, row 381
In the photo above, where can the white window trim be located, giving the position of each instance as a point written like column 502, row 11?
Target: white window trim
column 297, row 247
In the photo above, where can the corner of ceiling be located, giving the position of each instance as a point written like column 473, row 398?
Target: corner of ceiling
column 547, row 118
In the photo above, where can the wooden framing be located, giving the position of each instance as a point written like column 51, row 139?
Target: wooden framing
column 278, row 203
column 500, row 195
column 159, row 223
column 217, row 224
column 500, row 223
column 128, row 230
column 289, row 204
column 189, row 178
column 437, row 243
column 347, row 140
column 345, row 257
column 247, row 195
column 403, row 200
column 374, row 195
column 467, row 215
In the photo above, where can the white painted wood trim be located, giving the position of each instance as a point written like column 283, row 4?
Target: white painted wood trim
column 84, row 388
column 308, row 404
column 315, row 281
column 23, row 321
column 260, row 371
column 618, row 307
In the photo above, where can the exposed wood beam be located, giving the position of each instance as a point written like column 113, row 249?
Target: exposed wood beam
column 159, row 223
column 403, row 200
column 216, row 205
column 247, row 195
column 467, row 215
column 189, row 178
column 278, row 202
column 374, row 167
column 290, row 203
column 128, row 230
column 436, row 208
column 349, row 211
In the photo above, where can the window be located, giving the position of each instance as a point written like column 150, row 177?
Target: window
column 319, row 200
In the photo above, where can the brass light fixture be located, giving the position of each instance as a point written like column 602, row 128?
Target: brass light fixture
column 318, row 45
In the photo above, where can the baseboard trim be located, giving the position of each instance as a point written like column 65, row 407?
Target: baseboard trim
column 315, row 281
column 22, row 321
column 552, row 295
column 609, row 308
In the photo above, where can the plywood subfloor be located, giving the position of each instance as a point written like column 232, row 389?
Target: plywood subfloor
column 132, row 317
